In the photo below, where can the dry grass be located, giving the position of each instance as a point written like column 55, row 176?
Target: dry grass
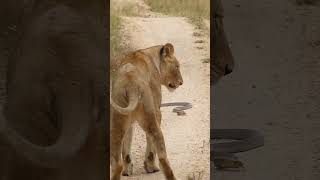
column 117, row 46
column 125, row 8
column 196, row 10
column 115, row 35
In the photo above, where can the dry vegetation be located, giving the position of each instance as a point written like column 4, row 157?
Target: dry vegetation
column 196, row 10
column 115, row 36
column 117, row 46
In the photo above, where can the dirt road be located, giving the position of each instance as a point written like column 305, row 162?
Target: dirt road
column 186, row 137
column 275, row 88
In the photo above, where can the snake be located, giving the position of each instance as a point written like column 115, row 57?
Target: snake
column 180, row 107
column 222, row 154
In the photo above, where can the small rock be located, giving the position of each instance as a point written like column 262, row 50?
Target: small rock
column 199, row 41
column 207, row 60
column 196, row 34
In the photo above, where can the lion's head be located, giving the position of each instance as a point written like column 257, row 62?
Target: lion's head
column 169, row 68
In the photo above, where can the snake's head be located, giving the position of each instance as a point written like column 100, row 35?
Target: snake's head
column 181, row 113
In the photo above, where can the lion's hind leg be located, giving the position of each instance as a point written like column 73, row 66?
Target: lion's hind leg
column 152, row 129
column 150, row 124
column 119, row 126
column 126, row 154
column 150, row 157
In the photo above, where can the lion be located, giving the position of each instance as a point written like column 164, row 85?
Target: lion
column 223, row 61
column 136, row 96
column 222, row 154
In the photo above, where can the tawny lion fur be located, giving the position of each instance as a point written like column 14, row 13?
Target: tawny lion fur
column 136, row 96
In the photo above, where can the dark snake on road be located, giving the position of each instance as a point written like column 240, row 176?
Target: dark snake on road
column 235, row 141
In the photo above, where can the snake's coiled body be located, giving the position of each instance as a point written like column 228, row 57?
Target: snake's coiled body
column 180, row 106
column 222, row 153
column 241, row 140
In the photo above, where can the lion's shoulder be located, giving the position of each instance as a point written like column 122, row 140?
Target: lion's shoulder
column 141, row 60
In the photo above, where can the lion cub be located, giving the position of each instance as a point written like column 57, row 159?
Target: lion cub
column 136, row 96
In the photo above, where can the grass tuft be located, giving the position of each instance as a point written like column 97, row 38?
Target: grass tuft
column 115, row 35
column 195, row 10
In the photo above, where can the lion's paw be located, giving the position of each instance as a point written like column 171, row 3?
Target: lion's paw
column 150, row 167
column 128, row 170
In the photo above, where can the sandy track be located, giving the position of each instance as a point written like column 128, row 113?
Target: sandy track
column 187, row 137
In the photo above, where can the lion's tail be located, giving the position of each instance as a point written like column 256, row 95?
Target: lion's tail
column 133, row 102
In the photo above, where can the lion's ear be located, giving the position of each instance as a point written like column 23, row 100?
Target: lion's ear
column 167, row 50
